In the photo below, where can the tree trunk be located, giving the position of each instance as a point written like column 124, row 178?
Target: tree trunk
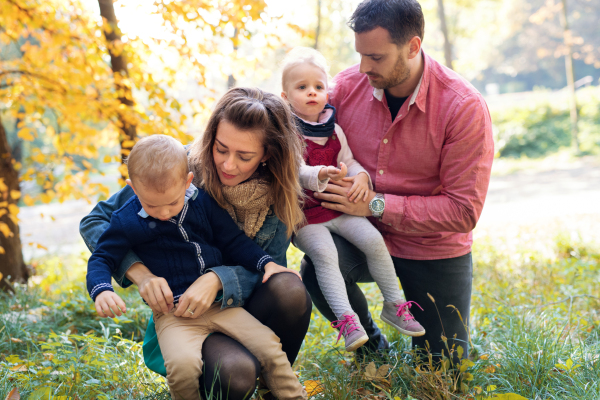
column 570, row 77
column 447, row 44
column 11, row 253
column 118, row 61
column 318, row 30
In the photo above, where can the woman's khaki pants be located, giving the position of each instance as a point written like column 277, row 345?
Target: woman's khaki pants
column 181, row 342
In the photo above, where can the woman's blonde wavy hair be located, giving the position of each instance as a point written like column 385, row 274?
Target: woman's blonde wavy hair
column 252, row 109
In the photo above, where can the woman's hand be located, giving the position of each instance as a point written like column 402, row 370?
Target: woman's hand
column 272, row 269
column 359, row 188
column 153, row 289
column 199, row 297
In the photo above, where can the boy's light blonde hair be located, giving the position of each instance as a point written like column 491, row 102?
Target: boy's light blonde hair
column 159, row 162
column 300, row 55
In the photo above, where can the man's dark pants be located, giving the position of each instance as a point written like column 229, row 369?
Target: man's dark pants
column 448, row 281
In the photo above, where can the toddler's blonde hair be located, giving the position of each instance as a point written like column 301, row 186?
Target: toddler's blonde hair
column 158, row 161
column 300, row 55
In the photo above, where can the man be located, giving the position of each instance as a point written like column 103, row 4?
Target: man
column 424, row 134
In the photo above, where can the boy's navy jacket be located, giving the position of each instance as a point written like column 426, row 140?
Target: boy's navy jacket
column 179, row 250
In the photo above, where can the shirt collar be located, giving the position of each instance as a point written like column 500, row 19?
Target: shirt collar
column 418, row 95
column 190, row 193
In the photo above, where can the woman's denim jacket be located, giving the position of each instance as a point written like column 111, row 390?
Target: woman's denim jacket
column 238, row 282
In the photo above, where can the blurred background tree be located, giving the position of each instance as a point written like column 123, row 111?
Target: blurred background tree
column 75, row 90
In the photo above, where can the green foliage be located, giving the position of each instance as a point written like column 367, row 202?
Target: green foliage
column 534, row 331
column 543, row 127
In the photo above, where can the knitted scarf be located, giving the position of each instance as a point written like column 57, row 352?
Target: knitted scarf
column 248, row 204
column 322, row 129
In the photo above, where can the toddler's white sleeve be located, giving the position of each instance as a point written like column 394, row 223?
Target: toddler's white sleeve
column 346, row 156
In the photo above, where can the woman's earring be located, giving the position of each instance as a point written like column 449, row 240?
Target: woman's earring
column 264, row 164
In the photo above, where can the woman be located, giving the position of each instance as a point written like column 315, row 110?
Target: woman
column 248, row 160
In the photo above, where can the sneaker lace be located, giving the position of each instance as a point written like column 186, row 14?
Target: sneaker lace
column 403, row 310
column 348, row 324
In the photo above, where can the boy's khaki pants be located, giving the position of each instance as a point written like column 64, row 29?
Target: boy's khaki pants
column 181, row 342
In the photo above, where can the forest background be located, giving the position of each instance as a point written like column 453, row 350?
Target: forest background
column 82, row 80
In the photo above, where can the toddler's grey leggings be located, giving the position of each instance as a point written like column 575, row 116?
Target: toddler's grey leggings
column 315, row 240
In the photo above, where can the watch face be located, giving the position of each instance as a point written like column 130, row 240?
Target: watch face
column 377, row 206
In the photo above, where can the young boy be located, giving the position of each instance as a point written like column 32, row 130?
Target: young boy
column 180, row 232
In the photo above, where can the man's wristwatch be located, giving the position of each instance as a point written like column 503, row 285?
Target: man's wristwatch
column 377, row 205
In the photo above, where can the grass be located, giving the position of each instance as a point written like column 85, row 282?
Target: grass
column 534, row 331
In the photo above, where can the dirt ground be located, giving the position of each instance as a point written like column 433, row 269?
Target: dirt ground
column 562, row 197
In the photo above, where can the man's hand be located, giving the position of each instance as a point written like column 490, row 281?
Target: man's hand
column 272, row 269
column 153, row 289
column 359, row 188
column 333, row 173
column 108, row 304
column 335, row 197
column 199, row 296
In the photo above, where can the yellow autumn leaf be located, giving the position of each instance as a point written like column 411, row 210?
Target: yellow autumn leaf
column 127, row 144
column 15, row 194
column 107, row 159
column 28, row 200
column 313, row 387
column 2, row 251
column 507, row 396
column 5, row 230
column 25, row 134
column 13, row 209
column 3, row 187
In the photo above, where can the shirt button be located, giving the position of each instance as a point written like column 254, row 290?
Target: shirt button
column 380, row 172
column 229, row 302
column 385, row 141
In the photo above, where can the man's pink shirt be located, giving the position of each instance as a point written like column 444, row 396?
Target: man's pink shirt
column 433, row 163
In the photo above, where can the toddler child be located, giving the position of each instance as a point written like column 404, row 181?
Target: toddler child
column 180, row 233
column 304, row 84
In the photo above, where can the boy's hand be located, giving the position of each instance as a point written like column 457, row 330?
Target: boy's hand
column 272, row 269
column 333, row 173
column 359, row 188
column 109, row 303
column 153, row 289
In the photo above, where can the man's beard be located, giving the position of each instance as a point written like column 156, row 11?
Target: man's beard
column 399, row 75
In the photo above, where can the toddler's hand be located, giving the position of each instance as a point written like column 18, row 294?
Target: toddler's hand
column 108, row 304
column 333, row 173
column 359, row 188
column 272, row 269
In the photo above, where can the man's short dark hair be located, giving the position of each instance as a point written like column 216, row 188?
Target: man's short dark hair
column 403, row 19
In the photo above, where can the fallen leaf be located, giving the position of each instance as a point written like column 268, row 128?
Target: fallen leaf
column 371, row 371
column 508, row 396
column 13, row 395
column 313, row 387
column 19, row 368
column 15, row 340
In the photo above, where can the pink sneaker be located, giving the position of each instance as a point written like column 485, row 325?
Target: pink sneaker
column 397, row 315
column 354, row 334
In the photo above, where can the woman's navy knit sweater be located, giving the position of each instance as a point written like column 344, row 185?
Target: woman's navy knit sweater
column 179, row 250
